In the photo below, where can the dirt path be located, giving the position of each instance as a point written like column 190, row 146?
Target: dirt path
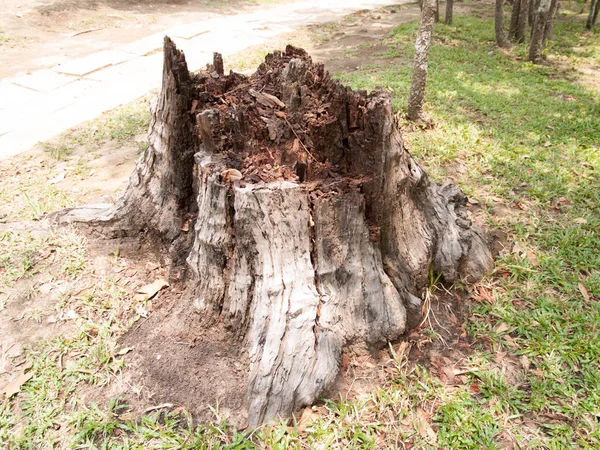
column 37, row 34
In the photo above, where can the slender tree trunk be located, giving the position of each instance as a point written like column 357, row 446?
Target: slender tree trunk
column 536, row 46
column 437, row 11
column 422, row 44
column 501, row 39
column 449, row 7
column 549, row 30
column 593, row 15
column 533, row 7
column 514, row 20
column 525, row 6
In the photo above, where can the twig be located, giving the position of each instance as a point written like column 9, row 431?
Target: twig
column 300, row 140
column 87, row 31
column 154, row 408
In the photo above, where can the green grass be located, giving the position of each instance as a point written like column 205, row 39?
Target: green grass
column 120, row 127
column 528, row 137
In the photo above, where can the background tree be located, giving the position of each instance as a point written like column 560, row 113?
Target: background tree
column 422, row 44
column 518, row 20
column 536, row 46
column 501, row 39
column 449, row 7
column 593, row 16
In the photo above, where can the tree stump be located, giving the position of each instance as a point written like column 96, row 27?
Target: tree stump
column 303, row 224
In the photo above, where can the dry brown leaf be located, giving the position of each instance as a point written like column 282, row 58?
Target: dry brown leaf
column 500, row 357
column 584, row 292
column 14, row 386
column 150, row 290
column 502, row 327
column 518, row 248
column 423, row 427
column 525, row 362
column 580, row 221
column 124, row 351
column 533, row 259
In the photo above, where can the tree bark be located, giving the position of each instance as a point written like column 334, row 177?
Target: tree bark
column 518, row 20
column 593, row 15
column 416, row 96
column 524, row 8
column 294, row 269
column 514, row 20
column 449, row 8
column 437, row 11
column 501, row 39
column 536, row 46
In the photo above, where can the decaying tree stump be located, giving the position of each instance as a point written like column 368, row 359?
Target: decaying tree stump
column 304, row 224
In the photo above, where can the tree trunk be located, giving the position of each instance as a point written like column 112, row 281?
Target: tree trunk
column 501, row 39
column 536, row 46
column 533, row 7
column 593, row 15
column 449, row 8
column 518, row 20
column 304, row 225
column 437, row 11
column 514, row 20
column 524, row 8
column 416, row 96
column 549, row 30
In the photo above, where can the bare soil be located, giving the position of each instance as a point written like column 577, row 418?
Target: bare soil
column 38, row 34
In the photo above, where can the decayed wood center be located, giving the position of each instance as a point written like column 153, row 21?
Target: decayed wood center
column 303, row 224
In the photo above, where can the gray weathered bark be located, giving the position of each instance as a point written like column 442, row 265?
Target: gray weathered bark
column 501, row 39
column 536, row 46
column 449, row 9
column 296, row 271
column 416, row 96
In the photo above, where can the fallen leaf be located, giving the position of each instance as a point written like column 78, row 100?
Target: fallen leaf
column 14, row 386
column 518, row 248
column 580, row 221
column 423, row 426
column 57, row 179
column 533, row 259
column 150, row 290
column 584, row 292
column 525, row 362
column 124, row 351
column 500, row 357
column 502, row 327
column 547, row 144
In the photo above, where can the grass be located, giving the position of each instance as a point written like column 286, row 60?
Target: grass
column 31, row 184
column 527, row 137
